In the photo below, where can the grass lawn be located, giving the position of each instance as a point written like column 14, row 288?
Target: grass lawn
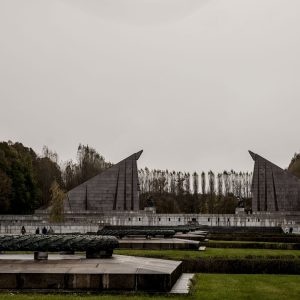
column 208, row 253
column 214, row 253
column 206, row 286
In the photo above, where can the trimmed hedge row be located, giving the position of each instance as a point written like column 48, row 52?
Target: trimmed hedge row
column 242, row 266
column 283, row 246
column 256, row 238
column 136, row 232
column 244, row 229
column 183, row 229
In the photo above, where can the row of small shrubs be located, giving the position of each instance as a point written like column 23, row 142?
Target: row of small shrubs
column 243, row 230
column 120, row 233
column 242, row 266
column 179, row 228
column 282, row 246
column 256, row 238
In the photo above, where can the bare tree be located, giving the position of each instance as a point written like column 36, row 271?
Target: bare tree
column 195, row 183
column 220, row 184
column 203, row 183
column 226, row 183
column 187, row 183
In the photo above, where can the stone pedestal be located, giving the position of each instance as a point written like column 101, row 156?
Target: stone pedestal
column 38, row 255
column 99, row 254
column 119, row 273
column 240, row 211
column 159, row 244
column 71, row 252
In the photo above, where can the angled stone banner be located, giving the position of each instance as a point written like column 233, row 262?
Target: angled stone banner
column 115, row 189
column 273, row 189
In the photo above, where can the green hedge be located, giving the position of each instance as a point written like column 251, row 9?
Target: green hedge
column 180, row 228
column 253, row 245
column 242, row 266
column 256, row 238
column 242, row 229
column 136, row 232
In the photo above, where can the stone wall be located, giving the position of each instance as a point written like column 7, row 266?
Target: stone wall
column 90, row 222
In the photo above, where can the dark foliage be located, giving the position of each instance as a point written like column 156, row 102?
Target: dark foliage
column 89, row 163
column 25, row 178
column 190, row 203
column 255, row 265
column 294, row 166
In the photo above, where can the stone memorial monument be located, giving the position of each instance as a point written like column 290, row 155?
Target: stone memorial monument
column 273, row 189
column 115, row 189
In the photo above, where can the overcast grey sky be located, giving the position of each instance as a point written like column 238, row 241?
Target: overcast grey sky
column 195, row 83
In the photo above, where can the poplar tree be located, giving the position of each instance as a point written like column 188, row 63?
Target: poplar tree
column 203, row 183
column 57, row 203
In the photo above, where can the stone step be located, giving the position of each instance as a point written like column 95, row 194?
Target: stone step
column 182, row 285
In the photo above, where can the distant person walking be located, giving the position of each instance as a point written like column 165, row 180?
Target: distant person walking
column 50, row 231
column 23, row 230
column 37, row 231
column 44, row 230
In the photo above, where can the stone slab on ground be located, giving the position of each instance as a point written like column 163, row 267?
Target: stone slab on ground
column 182, row 285
column 201, row 232
column 74, row 272
column 190, row 236
column 158, row 244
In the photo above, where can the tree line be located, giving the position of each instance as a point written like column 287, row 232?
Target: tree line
column 176, row 192
column 29, row 181
column 225, row 183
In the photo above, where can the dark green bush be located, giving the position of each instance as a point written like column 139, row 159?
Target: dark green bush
column 242, row 266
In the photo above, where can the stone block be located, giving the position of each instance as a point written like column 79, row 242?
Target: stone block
column 153, row 282
column 8, row 281
column 118, row 281
column 42, row 281
column 85, row 281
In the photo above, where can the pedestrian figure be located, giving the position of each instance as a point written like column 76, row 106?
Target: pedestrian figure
column 44, row 230
column 50, row 231
column 37, row 231
column 23, row 230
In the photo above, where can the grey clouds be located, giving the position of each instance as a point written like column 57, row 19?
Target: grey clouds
column 193, row 83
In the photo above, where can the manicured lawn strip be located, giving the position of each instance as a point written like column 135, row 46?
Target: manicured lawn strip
column 247, row 253
column 244, row 286
column 214, row 253
column 206, row 287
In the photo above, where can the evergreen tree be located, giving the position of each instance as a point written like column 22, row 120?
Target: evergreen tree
column 5, row 192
